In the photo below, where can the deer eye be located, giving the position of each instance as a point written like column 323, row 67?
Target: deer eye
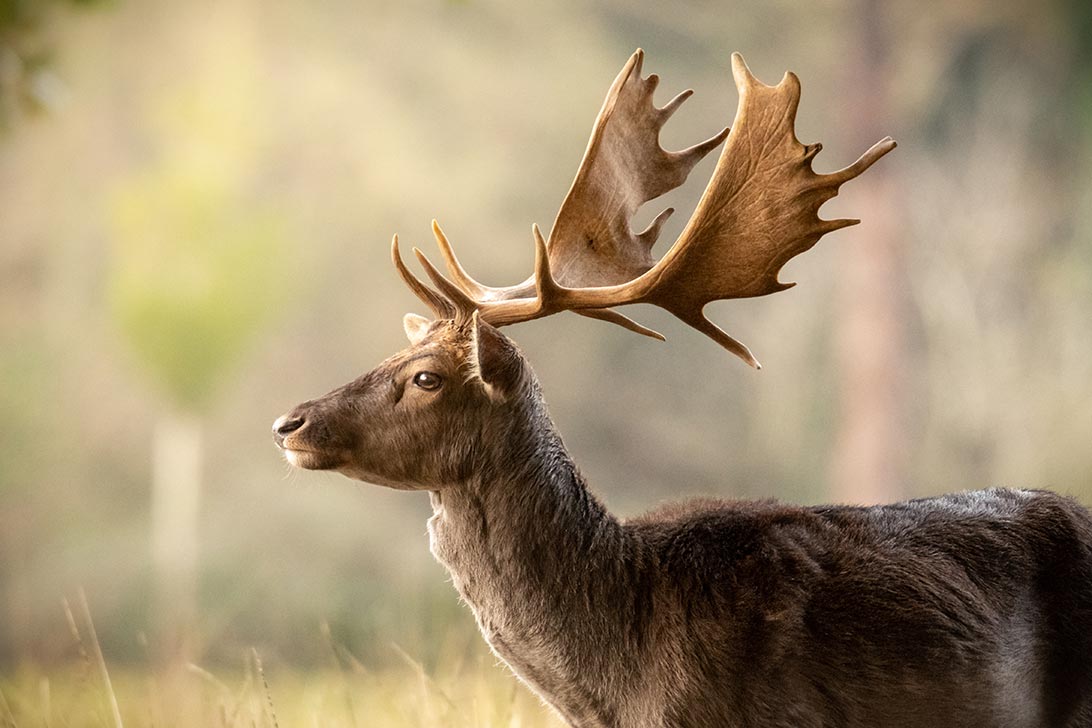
column 428, row 380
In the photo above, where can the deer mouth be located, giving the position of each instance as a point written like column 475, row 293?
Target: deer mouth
column 309, row 459
column 307, row 456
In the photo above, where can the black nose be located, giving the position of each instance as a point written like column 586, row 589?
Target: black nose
column 285, row 426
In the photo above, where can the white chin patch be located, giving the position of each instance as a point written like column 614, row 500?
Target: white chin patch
column 292, row 458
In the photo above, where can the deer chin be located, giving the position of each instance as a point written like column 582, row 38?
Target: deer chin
column 313, row 459
column 350, row 470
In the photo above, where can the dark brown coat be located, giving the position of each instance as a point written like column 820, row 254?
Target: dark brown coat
column 971, row 609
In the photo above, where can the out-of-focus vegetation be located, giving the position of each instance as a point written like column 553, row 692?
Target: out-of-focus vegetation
column 467, row 690
column 28, row 83
column 478, row 696
column 202, row 229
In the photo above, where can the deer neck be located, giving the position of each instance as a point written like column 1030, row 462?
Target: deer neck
column 541, row 562
column 525, row 532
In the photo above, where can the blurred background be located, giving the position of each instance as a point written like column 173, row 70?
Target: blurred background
column 196, row 204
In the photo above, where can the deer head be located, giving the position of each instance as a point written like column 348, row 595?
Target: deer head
column 424, row 418
column 418, row 419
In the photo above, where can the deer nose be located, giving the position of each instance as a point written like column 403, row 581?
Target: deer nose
column 285, row 426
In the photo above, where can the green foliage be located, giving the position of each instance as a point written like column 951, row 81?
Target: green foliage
column 200, row 256
column 28, row 15
column 196, row 272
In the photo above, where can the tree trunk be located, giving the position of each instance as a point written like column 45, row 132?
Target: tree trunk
column 176, row 500
column 869, row 459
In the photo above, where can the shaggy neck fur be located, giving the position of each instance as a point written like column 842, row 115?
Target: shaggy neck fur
column 541, row 563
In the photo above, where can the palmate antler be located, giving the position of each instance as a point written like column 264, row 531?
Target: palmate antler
column 759, row 209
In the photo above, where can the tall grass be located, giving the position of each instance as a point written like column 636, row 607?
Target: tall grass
column 474, row 692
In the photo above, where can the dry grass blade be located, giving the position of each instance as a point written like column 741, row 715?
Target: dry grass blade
column 265, row 684
column 343, row 683
column 81, row 648
column 7, row 715
column 208, row 677
column 511, row 718
column 45, row 698
column 74, row 630
column 100, row 661
column 240, row 698
column 155, row 710
column 357, row 666
column 429, row 687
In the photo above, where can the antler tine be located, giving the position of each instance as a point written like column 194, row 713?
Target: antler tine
column 463, row 305
column 652, row 80
column 545, row 285
column 829, row 226
column 717, row 334
column 651, row 234
column 692, row 155
column 742, row 72
column 612, row 316
column 463, row 279
column 863, row 162
column 441, row 307
column 669, row 109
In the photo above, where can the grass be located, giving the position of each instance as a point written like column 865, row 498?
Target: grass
column 484, row 696
column 472, row 692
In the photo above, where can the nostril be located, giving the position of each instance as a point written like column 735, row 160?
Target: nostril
column 286, row 425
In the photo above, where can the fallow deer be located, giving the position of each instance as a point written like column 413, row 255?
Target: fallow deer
column 972, row 609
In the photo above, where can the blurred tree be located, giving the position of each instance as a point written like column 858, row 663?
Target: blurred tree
column 200, row 263
column 869, row 460
column 381, row 119
column 28, row 84
column 994, row 98
column 27, row 81
column 1000, row 257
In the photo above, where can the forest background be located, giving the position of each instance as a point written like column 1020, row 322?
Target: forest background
column 196, row 203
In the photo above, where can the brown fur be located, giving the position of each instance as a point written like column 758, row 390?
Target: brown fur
column 971, row 609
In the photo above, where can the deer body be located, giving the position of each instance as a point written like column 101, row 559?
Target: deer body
column 972, row 609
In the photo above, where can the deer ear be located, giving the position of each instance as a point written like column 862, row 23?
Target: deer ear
column 474, row 358
column 416, row 327
column 494, row 360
